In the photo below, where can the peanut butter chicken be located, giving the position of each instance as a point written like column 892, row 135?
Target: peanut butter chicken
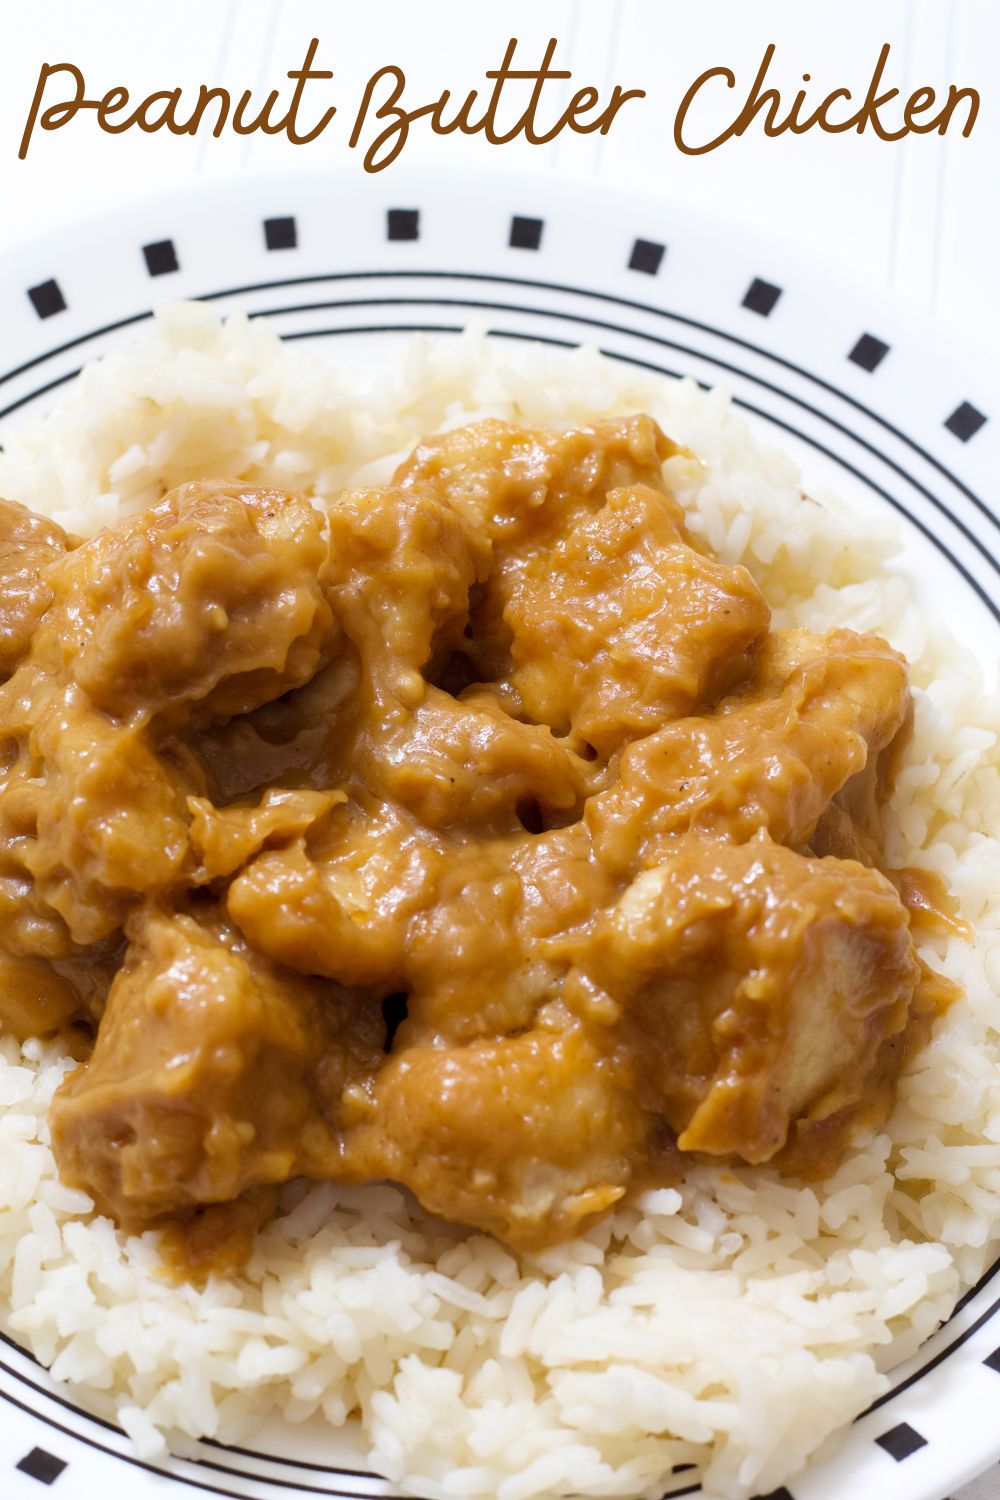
column 484, row 838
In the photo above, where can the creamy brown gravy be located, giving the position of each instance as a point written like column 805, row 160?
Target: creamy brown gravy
column 930, row 904
column 489, row 841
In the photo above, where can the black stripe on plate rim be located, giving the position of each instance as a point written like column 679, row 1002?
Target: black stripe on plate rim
column 991, row 556
column 98, row 1421
column 481, row 276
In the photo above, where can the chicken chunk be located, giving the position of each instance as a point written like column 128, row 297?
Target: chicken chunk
column 758, row 987
column 210, row 602
column 35, row 1000
column 466, row 761
column 109, row 818
column 300, row 741
column 772, row 756
column 402, row 565
column 623, row 624
column 513, row 482
column 528, row 1137
column 522, row 489
column 29, row 545
column 511, row 889
column 851, row 827
column 64, row 997
column 213, row 1073
column 226, row 839
column 343, row 907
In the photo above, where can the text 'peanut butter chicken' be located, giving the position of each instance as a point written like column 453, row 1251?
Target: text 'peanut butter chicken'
column 484, row 839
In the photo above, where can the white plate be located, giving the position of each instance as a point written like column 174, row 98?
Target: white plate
column 870, row 398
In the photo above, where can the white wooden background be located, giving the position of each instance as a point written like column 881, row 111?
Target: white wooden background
column 921, row 216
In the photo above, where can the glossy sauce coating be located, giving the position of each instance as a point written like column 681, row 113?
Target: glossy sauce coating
column 482, row 837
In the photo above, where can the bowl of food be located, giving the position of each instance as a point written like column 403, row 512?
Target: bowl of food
column 498, row 973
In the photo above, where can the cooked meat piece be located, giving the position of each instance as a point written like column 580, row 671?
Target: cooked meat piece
column 450, row 762
column 623, row 624
column 226, row 839
column 466, row 761
column 35, row 1000
column 473, row 963
column 302, row 740
column 528, row 1137
column 509, row 482
column 90, row 815
column 210, row 602
column 772, row 756
column 757, row 987
column 402, row 563
column 28, row 925
column 851, row 827
column 374, row 899
column 110, row 820
column 522, row 490
column 42, row 998
column 29, row 545
column 343, row 907
column 213, row 1072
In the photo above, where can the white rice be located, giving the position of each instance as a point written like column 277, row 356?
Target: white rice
column 732, row 1324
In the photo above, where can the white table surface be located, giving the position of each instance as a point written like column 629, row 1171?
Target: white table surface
column 921, row 217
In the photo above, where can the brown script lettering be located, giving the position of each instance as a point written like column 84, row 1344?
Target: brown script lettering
column 163, row 109
column 768, row 103
column 387, row 145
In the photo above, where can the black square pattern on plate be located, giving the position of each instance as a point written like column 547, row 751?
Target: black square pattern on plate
column 899, row 1442
column 404, row 224
column 965, row 421
column 281, row 234
column 44, row 1467
column 646, row 256
column 161, row 258
column 761, row 296
column 781, row 1494
column 47, row 299
column 993, row 1361
column 526, row 234
column 868, row 352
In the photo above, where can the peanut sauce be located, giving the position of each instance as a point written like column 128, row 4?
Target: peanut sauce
column 482, row 836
